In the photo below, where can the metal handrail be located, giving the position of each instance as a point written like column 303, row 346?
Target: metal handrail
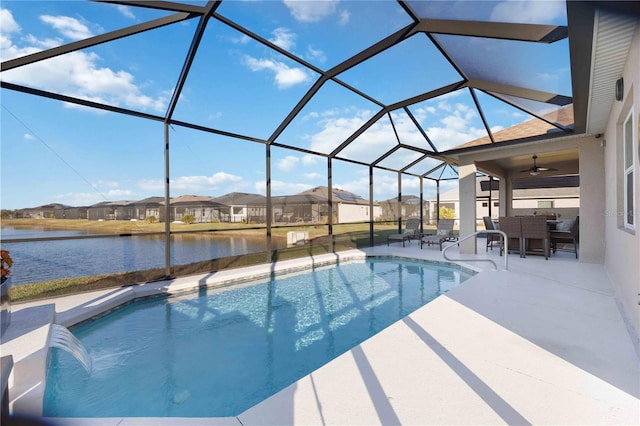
column 505, row 242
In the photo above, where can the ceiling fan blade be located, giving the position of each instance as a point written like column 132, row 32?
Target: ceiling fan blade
column 535, row 169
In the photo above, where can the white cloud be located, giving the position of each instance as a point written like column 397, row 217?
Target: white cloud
column 243, row 39
column 76, row 74
column 7, row 23
column 68, row 26
column 281, row 188
column 315, row 54
column 105, row 184
column 447, row 125
column 89, row 198
column 532, row 11
column 285, row 76
column 119, row 194
column 194, row 183
column 287, row 163
column 309, row 160
column 313, row 176
column 191, row 184
column 125, row 11
column 336, row 130
column 343, row 17
column 311, row 11
column 283, row 38
column 28, row 137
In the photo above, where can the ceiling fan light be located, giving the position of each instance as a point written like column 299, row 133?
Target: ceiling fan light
column 534, row 173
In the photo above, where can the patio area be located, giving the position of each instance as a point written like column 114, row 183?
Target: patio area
column 542, row 343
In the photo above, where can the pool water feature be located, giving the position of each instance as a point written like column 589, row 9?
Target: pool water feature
column 62, row 338
column 216, row 353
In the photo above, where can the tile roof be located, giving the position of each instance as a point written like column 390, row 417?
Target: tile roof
column 535, row 126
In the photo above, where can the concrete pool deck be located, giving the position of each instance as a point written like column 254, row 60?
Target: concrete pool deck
column 542, row 343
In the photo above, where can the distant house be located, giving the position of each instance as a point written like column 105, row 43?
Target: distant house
column 236, row 207
column 148, row 207
column 109, row 210
column 204, row 209
column 47, row 211
column 311, row 206
column 409, row 207
column 75, row 213
column 244, row 207
column 304, row 207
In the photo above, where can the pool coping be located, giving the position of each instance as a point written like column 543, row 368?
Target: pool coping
column 27, row 337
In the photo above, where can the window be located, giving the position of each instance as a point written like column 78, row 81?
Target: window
column 485, row 204
column 545, row 204
column 629, row 202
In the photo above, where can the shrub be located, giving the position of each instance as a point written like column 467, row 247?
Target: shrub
column 151, row 219
column 188, row 219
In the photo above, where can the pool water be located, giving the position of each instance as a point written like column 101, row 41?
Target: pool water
column 218, row 353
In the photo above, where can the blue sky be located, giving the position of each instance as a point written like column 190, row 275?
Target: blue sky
column 54, row 152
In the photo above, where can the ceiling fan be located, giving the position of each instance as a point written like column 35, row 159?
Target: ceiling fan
column 535, row 169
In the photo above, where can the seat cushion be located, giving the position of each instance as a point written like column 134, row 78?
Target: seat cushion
column 564, row 225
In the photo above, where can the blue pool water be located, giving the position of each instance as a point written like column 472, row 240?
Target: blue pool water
column 217, row 353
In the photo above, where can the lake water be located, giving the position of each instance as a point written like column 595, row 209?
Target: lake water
column 47, row 260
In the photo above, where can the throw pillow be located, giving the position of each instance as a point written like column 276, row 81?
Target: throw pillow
column 565, row 225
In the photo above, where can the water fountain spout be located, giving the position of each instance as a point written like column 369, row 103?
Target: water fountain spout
column 63, row 339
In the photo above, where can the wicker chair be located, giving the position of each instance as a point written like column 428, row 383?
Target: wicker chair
column 444, row 233
column 513, row 228
column 413, row 228
column 492, row 239
column 411, row 231
column 535, row 233
column 568, row 239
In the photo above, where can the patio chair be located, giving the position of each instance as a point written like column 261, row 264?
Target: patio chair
column 444, row 232
column 492, row 239
column 411, row 231
column 513, row 228
column 535, row 234
column 566, row 236
column 413, row 228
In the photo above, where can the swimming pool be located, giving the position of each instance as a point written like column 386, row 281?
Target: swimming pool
column 216, row 353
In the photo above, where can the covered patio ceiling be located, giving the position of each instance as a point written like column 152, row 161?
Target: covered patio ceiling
column 458, row 50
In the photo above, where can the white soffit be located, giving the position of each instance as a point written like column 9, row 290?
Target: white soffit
column 612, row 36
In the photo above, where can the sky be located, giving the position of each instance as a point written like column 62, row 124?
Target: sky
column 57, row 152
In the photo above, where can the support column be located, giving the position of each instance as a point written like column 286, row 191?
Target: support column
column 399, row 205
column 371, row 222
column 421, row 205
column 437, row 202
column 269, row 217
column 167, row 205
column 467, row 191
column 330, row 204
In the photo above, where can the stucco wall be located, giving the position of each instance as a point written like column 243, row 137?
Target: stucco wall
column 355, row 213
column 622, row 249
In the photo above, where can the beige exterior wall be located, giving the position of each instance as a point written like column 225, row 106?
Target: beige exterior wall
column 622, row 248
column 356, row 213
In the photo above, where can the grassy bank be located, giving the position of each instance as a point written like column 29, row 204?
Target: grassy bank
column 126, row 226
